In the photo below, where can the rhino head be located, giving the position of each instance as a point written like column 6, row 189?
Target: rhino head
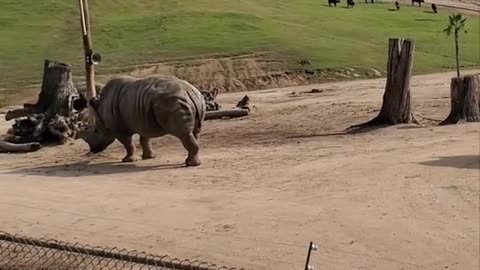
column 98, row 137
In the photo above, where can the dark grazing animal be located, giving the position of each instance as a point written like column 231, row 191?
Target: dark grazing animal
column 334, row 2
column 152, row 107
column 397, row 5
column 350, row 3
column 366, row 1
column 418, row 1
column 434, row 8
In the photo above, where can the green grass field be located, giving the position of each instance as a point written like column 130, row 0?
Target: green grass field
column 137, row 31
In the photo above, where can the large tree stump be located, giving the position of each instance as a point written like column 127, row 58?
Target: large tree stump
column 53, row 118
column 465, row 100
column 396, row 107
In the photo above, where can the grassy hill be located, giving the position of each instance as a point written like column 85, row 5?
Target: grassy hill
column 138, row 31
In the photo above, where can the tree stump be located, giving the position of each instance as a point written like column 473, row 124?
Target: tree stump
column 396, row 107
column 465, row 100
column 53, row 117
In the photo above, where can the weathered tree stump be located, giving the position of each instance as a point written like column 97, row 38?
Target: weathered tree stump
column 396, row 107
column 465, row 100
column 53, row 118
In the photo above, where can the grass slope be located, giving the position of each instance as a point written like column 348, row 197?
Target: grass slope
column 135, row 31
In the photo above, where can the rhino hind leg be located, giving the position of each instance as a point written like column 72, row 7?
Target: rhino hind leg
column 146, row 148
column 191, row 145
column 129, row 147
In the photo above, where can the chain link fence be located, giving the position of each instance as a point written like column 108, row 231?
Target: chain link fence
column 25, row 253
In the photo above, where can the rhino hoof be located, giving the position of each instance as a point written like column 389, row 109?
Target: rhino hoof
column 128, row 159
column 192, row 162
column 148, row 156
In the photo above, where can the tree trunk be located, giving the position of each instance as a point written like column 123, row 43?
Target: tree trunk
column 57, row 87
column 457, row 54
column 225, row 114
column 52, row 117
column 465, row 100
column 396, row 107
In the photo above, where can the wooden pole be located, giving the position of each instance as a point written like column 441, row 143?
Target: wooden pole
column 87, row 46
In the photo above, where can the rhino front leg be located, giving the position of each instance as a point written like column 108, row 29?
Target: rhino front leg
column 129, row 147
column 146, row 148
column 191, row 145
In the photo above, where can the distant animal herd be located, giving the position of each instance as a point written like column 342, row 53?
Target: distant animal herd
column 351, row 4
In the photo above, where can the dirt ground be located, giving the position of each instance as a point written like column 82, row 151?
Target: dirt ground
column 402, row 197
column 465, row 6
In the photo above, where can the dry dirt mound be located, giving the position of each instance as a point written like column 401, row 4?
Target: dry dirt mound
column 249, row 72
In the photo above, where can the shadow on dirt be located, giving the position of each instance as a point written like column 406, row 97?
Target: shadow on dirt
column 460, row 162
column 86, row 168
column 348, row 131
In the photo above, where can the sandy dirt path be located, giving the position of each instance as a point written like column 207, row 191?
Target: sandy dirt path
column 402, row 197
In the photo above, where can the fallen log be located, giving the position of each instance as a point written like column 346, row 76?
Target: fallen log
column 210, row 115
column 6, row 147
column 17, row 113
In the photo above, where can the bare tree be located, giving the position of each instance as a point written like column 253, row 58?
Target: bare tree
column 396, row 107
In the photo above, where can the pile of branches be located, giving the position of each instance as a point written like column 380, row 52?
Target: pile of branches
column 38, row 127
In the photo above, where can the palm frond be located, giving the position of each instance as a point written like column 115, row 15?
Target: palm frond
column 456, row 24
column 448, row 30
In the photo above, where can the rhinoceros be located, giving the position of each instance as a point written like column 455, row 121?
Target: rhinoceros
column 151, row 107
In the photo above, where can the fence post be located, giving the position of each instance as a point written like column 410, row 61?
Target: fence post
column 311, row 247
column 90, row 58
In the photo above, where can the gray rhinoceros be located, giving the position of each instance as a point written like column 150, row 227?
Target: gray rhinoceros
column 153, row 106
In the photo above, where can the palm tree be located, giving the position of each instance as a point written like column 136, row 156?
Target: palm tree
column 456, row 24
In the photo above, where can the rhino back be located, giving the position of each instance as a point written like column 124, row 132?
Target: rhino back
column 145, row 106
